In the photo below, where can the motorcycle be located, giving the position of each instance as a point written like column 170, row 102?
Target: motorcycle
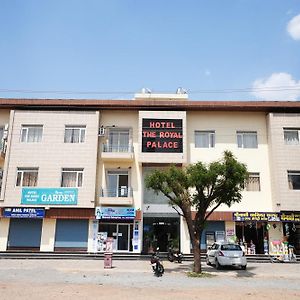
column 157, row 266
column 175, row 255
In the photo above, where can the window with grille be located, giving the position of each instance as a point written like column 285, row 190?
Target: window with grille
column 252, row 184
column 291, row 136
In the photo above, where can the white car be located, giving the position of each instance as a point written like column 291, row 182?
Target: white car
column 226, row 254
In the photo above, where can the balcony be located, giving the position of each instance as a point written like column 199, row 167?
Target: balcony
column 120, row 196
column 111, row 152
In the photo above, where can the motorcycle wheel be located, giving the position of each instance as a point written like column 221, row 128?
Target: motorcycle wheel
column 170, row 258
column 160, row 270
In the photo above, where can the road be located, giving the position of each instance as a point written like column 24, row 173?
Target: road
column 87, row 279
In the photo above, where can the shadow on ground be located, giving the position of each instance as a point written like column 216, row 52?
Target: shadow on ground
column 233, row 271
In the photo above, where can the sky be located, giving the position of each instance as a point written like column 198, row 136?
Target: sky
column 237, row 50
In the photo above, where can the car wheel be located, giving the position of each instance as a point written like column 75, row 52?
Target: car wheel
column 218, row 266
column 207, row 261
column 244, row 267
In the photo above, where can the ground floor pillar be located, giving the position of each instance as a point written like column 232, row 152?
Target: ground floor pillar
column 4, row 229
column 48, row 235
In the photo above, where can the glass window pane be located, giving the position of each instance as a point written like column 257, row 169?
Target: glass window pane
column 80, row 179
column 250, row 140
column 19, row 177
column 68, row 179
column 201, row 140
column 291, row 137
column 294, row 180
column 82, row 136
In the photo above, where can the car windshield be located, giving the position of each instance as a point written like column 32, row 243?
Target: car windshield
column 231, row 247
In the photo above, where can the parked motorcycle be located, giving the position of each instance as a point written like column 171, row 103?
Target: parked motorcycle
column 157, row 266
column 175, row 255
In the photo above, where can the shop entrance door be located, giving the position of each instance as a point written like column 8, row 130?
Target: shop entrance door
column 121, row 234
column 123, row 237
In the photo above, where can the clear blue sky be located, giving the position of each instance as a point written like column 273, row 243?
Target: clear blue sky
column 117, row 47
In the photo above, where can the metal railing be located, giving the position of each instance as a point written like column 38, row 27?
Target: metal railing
column 117, row 148
column 122, row 192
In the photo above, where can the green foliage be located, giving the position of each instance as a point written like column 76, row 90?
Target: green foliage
column 200, row 187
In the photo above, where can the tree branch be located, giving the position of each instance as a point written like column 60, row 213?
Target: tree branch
column 179, row 213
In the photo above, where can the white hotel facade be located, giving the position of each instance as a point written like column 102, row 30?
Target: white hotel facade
column 73, row 171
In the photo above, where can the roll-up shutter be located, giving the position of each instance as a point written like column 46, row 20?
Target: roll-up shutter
column 25, row 233
column 71, row 234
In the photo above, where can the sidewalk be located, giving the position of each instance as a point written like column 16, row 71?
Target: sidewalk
column 83, row 279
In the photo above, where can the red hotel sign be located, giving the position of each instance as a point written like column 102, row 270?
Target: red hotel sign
column 162, row 135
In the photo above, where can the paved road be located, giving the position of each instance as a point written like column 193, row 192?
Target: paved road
column 85, row 279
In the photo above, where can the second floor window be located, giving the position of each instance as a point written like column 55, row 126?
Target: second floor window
column 252, row 184
column 204, row 139
column 294, row 180
column 291, row 136
column 74, row 134
column 31, row 133
column 246, row 139
column 71, row 177
column 27, row 177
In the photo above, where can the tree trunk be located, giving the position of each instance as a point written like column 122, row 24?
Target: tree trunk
column 197, row 255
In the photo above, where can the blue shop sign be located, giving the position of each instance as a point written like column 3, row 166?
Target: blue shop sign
column 23, row 212
column 49, row 196
column 127, row 213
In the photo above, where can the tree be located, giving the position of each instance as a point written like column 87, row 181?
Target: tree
column 200, row 189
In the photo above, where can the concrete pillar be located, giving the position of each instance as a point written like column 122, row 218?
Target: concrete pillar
column 48, row 235
column 4, row 230
column 185, row 242
column 92, row 236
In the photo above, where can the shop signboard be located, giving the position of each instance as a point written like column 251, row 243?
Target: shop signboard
column 290, row 217
column 256, row 216
column 23, row 212
column 49, row 196
column 127, row 213
column 162, row 135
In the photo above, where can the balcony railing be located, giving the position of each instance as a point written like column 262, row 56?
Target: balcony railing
column 122, row 192
column 117, row 148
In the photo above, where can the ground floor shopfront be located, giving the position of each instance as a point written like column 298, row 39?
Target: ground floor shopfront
column 80, row 230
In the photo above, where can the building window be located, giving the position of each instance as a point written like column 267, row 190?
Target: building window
column 27, row 177
column 291, row 136
column 247, row 139
column 31, row 133
column 75, row 134
column 71, row 177
column 118, row 140
column 294, row 180
column 205, row 139
column 252, row 184
column 117, row 184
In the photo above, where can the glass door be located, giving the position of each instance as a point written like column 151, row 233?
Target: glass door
column 117, row 182
column 123, row 237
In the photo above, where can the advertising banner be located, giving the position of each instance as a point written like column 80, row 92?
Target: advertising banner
column 23, row 212
column 162, row 135
column 256, row 216
column 115, row 213
column 49, row 196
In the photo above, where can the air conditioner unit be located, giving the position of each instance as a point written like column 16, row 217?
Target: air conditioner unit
column 101, row 131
